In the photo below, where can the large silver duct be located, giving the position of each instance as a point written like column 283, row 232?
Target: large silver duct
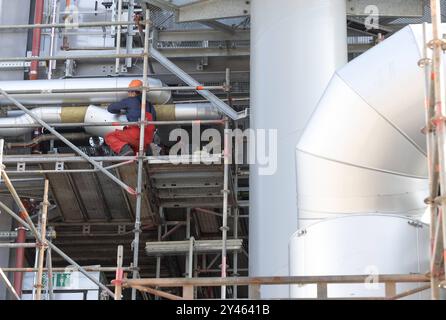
column 363, row 150
column 299, row 43
column 44, row 91
column 370, row 244
column 92, row 114
column 363, row 153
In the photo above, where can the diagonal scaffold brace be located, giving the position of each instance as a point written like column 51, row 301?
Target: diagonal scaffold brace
column 28, row 223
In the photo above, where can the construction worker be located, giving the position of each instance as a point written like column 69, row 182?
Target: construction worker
column 126, row 142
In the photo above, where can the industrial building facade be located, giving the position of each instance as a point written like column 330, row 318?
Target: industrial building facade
column 280, row 149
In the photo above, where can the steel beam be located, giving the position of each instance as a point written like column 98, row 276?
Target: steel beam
column 218, row 26
column 162, row 4
column 204, row 52
column 213, row 10
column 392, row 8
column 67, row 25
column 74, row 159
column 79, row 57
column 183, row 247
column 169, row 65
column 199, row 35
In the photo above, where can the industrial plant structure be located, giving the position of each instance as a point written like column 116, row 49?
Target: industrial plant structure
column 299, row 149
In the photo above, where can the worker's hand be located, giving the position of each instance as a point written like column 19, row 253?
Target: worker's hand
column 137, row 19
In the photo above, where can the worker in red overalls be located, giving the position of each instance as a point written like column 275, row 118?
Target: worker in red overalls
column 126, row 142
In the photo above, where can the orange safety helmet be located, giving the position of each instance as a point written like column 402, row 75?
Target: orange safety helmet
column 135, row 84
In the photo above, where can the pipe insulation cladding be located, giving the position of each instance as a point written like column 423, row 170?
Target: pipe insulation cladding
column 92, row 114
column 45, row 96
column 300, row 44
column 363, row 153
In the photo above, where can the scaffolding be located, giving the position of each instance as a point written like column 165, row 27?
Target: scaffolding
column 436, row 137
column 191, row 247
column 42, row 243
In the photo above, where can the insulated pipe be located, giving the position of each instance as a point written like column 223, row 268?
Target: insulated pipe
column 48, row 98
column 93, row 114
column 299, row 43
column 363, row 151
column 48, row 114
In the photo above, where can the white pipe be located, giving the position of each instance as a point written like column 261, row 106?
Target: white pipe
column 299, row 43
column 48, row 98
column 48, row 114
column 196, row 111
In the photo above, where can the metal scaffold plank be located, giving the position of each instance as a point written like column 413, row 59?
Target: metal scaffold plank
column 182, row 247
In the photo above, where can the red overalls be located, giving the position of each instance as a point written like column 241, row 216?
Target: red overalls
column 130, row 135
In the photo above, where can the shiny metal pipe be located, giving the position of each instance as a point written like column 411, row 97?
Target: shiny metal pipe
column 66, row 25
column 50, row 114
column 80, row 57
column 46, row 97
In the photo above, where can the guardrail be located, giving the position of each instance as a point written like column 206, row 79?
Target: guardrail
column 255, row 283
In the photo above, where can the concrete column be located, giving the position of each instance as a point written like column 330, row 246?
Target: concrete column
column 296, row 45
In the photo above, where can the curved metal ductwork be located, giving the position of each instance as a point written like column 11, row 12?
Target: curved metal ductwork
column 362, row 151
column 173, row 112
column 362, row 172
column 42, row 92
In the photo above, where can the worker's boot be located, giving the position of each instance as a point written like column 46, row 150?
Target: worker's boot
column 126, row 151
